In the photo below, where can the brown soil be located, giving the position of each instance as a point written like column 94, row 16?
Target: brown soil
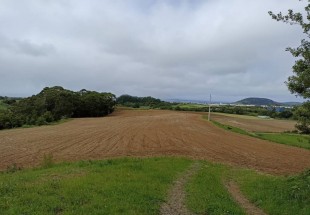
column 147, row 133
column 175, row 204
column 258, row 125
column 242, row 201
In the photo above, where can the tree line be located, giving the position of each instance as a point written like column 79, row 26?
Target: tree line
column 56, row 103
column 136, row 102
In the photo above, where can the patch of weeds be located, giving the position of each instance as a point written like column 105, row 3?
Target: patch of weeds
column 12, row 168
column 48, row 161
column 300, row 187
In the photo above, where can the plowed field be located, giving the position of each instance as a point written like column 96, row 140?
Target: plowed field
column 147, row 133
column 254, row 123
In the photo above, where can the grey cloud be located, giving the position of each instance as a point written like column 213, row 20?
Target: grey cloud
column 166, row 49
column 26, row 47
column 30, row 48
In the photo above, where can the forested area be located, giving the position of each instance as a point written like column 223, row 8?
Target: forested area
column 56, row 103
column 136, row 102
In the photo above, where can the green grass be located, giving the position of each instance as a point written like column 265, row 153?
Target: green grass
column 118, row 186
column 140, row 186
column 189, row 106
column 274, row 194
column 240, row 116
column 208, row 195
column 277, row 195
column 297, row 140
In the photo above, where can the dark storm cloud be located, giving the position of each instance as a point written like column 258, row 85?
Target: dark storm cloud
column 167, row 49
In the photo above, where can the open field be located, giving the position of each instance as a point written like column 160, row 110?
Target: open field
column 147, row 133
column 254, row 124
column 291, row 139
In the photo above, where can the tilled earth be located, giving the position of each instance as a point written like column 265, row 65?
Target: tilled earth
column 147, row 133
column 255, row 124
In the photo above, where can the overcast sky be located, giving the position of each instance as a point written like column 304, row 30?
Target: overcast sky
column 183, row 49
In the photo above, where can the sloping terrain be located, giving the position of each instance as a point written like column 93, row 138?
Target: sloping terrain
column 147, row 133
column 255, row 124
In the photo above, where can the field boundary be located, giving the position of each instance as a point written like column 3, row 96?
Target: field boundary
column 258, row 135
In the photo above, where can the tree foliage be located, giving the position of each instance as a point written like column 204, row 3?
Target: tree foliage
column 55, row 103
column 136, row 102
column 299, row 83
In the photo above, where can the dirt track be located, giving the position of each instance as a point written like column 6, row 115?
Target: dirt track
column 147, row 133
column 255, row 124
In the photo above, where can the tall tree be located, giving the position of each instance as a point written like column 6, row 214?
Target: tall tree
column 299, row 82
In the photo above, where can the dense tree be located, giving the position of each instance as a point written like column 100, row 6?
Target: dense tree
column 55, row 103
column 134, row 101
column 299, row 83
column 94, row 104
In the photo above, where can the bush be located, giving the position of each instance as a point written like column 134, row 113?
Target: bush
column 41, row 121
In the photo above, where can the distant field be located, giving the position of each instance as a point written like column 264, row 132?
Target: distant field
column 298, row 140
column 239, row 116
column 254, row 124
column 192, row 106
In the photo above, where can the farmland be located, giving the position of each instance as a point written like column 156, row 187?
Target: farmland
column 251, row 123
column 143, row 134
column 158, row 147
column 278, row 131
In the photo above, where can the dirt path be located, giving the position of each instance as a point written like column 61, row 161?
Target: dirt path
column 250, row 208
column 143, row 134
column 176, row 197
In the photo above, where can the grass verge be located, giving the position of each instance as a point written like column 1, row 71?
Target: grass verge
column 297, row 140
column 274, row 194
column 277, row 195
column 117, row 186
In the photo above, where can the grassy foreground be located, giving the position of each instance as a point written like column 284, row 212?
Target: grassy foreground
column 276, row 195
column 140, row 186
column 118, row 186
column 207, row 193
column 298, row 140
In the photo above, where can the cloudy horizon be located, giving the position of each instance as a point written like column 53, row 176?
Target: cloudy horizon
column 165, row 49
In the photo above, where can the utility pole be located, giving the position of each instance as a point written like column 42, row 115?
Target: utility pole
column 209, row 115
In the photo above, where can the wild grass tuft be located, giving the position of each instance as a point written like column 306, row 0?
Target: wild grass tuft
column 47, row 161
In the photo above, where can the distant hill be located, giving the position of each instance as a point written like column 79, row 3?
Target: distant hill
column 257, row 101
